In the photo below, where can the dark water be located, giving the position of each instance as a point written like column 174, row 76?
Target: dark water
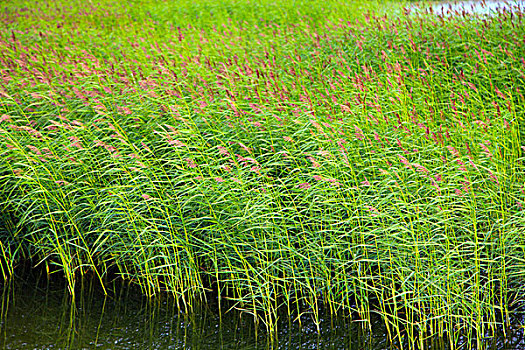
column 38, row 313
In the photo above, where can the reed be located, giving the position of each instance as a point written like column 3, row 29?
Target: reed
column 316, row 158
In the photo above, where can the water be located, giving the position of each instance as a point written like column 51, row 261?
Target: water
column 457, row 8
column 38, row 313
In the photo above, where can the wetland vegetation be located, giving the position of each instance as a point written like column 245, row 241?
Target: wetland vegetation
column 282, row 158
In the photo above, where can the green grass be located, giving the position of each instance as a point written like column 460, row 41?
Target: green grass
column 311, row 157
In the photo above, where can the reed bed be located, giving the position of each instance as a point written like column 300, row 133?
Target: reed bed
column 316, row 158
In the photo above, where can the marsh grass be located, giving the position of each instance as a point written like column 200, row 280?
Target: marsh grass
column 319, row 159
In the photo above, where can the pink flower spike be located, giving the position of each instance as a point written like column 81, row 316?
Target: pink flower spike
column 486, row 151
column 219, row 179
column 314, row 162
column 493, row 177
column 146, row 197
column 359, row 133
column 304, row 185
column 247, row 149
column 191, row 163
column 176, row 142
column 420, row 168
column 461, row 165
column 145, row 146
column 223, row 151
column 453, row 151
column 34, row 149
column 334, row 182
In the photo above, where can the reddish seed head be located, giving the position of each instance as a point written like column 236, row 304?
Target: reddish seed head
column 493, row 177
column 223, row 151
column 453, row 151
column 420, row 168
column 176, row 143
column 500, row 94
column 324, row 153
column 304, row 185
column 345, row 108
column 485, row 149
column 359, row 133
column 245, row 148
column 461, row 165
column 190, row 162
column 314, row 162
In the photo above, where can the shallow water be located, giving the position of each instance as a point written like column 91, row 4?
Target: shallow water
column 451, row 8
column 37, row 313
column 40, row 314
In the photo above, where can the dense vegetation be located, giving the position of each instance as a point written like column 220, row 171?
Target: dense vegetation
column 312, row 157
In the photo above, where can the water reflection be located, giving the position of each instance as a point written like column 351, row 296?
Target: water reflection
column 40, row 314
column 460, row 8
